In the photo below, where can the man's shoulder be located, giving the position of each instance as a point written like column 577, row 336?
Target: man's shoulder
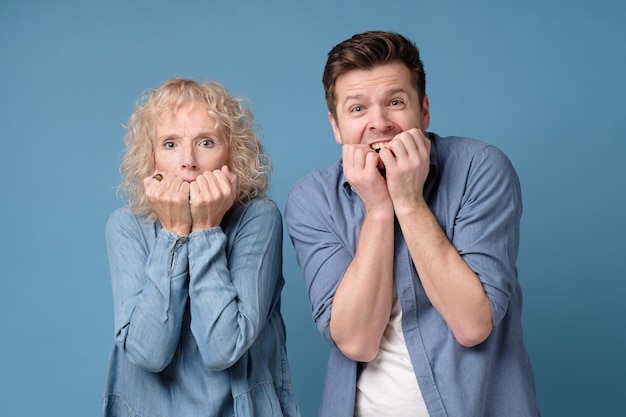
column 319, row 179
column 316, row 192
column 458, row 143
column 455, row 149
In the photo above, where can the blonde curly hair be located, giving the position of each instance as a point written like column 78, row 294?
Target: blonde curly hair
column 235, row 121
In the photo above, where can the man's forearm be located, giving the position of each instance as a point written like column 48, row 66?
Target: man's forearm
column 450, row 284
column 362, row 303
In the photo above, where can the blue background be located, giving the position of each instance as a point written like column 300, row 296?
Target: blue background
column 543, row 80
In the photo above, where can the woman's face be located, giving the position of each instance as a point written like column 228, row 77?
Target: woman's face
column 189, row 143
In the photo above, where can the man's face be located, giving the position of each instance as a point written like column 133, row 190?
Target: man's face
column 375, row 105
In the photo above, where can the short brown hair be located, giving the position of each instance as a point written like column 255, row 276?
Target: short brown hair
column 367, row 50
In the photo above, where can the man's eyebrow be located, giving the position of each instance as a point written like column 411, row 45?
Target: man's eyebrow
column 354, row 97
column 391, row 92
column 394, row 91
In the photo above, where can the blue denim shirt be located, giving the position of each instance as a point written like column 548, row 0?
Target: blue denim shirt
column 198, row 328
column 475, row 194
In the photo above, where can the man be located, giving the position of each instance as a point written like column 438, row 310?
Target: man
column 408, row 247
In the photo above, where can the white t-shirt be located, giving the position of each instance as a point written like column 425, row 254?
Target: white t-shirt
column 387, row 386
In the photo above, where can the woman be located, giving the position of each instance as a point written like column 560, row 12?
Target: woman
column 196, row 264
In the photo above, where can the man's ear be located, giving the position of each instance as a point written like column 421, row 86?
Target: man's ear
column 333, row 124
column 425, row 113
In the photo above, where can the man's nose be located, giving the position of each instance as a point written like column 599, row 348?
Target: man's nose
column 379, row 119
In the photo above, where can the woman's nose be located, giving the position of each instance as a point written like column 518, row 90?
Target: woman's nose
column 189, row 159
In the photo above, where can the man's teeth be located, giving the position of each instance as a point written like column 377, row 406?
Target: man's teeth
column 377, row 146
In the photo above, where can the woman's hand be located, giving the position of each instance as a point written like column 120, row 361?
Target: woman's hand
column 169, row 201
column 212, row 194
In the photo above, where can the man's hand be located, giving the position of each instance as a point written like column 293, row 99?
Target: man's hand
column 360, row 166
column 407, row 162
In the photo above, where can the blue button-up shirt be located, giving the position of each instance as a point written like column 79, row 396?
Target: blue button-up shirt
column 198, row 328
column 474, row 192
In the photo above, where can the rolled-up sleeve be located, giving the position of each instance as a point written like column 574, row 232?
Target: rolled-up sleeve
column 487, row 227
column 324, row 237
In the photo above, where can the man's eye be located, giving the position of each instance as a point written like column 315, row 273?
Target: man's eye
column 356, row 109
column 395, row 102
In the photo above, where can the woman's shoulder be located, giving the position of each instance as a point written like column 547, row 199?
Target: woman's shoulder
column 123, row 215
column 258, row 207
column 261, row 214
column 124, row 218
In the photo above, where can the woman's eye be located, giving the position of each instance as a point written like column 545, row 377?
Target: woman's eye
column 168, row 145
column 207, row 143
